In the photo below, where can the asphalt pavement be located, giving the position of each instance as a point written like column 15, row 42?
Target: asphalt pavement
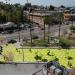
column 54, row 31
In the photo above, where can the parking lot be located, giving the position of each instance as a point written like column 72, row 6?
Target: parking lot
column 23, row 33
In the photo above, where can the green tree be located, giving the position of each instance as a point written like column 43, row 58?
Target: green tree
column 65, row 43
column 62, row 6
column 51, row 8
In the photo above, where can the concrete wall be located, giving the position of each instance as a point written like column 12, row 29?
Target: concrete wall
column 20, row 69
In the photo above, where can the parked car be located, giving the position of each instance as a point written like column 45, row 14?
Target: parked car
column 42, row 28
column 32, row 29
column 35, row 37
column 12, row 41
column 73, row 31
column 10, row 31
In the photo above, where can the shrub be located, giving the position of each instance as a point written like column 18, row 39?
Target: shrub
column 1, row 62
column 69, row 64
column 56, row 59
column 72, row 27
column 65, row 43
column 12, row 41
column 37, row 57
column 41, row 43
column 30, row 50
column 70, row 58
column 48, row 53
column 44, row 60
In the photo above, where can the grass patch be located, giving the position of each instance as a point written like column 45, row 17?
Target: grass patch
column 43, row 55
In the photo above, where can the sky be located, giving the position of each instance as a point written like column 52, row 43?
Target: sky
column 44, row 2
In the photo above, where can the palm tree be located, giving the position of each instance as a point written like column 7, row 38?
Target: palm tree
column 30, row 10
column 30, row 25
column 60, row 19
column 45, row 22
column 49, row 21
column 44, row 31
column 72, row 18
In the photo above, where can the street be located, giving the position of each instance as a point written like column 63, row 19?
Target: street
column 54, row 31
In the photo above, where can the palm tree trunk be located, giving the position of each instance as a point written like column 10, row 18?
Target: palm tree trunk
column 22, row 33
column 72, row 19
column 30, row 32
column 59, row 36
column 23, row 52
column 18, row 31
column 48, row 34
column 72, row 23
column 44, row 31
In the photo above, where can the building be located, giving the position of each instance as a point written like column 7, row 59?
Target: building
column 69, row 15
column 37, row 15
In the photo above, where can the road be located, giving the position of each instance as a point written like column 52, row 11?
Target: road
column 54, row 31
